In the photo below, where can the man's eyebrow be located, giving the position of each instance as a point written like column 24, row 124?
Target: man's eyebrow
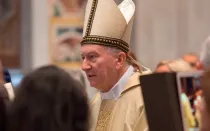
column 91, row 52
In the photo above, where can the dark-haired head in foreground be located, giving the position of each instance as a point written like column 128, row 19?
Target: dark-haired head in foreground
column 49, row 100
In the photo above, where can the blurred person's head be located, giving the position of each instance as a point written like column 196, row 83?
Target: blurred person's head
column 205, row 54
column 193, row 59
column 162, row 66
column 178, row 65
column 48, row 99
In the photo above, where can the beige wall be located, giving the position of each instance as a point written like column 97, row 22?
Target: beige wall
column 166, row 29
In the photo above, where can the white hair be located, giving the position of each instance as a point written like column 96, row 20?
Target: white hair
column 113, row 50
column 205, row 53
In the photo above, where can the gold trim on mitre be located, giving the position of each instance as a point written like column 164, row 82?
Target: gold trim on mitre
column 108, row 24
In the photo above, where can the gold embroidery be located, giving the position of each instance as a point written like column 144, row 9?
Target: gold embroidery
column 104, row 116
column 91, row 17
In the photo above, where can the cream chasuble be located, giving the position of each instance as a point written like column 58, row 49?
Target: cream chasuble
column 124, row 114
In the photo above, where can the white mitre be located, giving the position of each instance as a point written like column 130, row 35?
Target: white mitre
column 108, row 24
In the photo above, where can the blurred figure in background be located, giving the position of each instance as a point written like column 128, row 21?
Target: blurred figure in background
column 6, row 89
column 49, row 99
column 193, row 60
column 178, row 65
column 162, row 66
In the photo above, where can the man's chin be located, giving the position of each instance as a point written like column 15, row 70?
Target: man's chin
column 92, row 84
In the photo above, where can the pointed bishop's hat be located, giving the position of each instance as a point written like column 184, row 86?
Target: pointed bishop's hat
column 108, row 24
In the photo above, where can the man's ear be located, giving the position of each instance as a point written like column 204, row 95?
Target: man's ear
column 121, row 59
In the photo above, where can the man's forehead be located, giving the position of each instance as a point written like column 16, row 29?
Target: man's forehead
column 88, row 52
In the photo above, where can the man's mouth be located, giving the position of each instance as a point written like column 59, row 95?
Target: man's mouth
column 91, row 76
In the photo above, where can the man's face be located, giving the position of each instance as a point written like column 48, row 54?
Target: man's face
column 99, row 66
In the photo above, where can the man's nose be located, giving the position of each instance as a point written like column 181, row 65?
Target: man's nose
column 85, row 65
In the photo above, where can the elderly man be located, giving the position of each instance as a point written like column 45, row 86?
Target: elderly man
column 119, row 104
